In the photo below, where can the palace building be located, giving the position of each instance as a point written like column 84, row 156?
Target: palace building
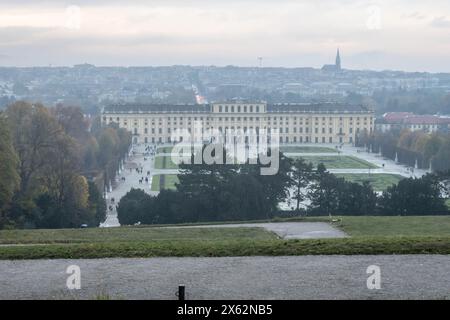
column 296, row 123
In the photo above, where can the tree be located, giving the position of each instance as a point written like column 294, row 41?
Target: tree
column 412, row 196
column 73, row 122
column 33, row 133
column 108, row 142
column 168, row 207
column 90, row 155
column 301, row 177
column 275, row 187
column 441, row 161
column 245, row 199
column 332, row 195
column 61, row 178
column 54, row 148
column 356, row 199
column 203, row 184
column 130, row 208
column 9, row 176
column 217, row 192
column 113, row 144
column 97, row 204
column 324, row 193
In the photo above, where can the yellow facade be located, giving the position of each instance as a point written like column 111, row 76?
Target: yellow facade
column 296, row 123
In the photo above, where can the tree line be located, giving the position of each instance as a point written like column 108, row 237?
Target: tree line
column 411, row 147
column 421, row 101
column 49, row 158
column 238, row 192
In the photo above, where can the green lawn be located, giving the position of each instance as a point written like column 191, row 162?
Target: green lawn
column 131, row 234
column 369, row 235
column 355, row 226
column 226, row 248
column 375, row 226
column 306, row 149
column 169, row 181
column 164, row 162
column 164, row 149
column 339, row 162
column 379, row 182
column 155, row 183
column 169, row 149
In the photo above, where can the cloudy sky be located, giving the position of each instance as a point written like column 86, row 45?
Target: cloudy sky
column 412, row 35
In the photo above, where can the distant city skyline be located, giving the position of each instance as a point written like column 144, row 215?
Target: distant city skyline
column 407, row 35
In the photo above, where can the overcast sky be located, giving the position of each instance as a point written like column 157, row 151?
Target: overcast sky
column 411, row 35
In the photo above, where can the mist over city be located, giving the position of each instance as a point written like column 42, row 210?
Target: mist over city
column 236, row 158
column 378, row 35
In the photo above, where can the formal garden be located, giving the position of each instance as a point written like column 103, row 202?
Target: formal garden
column 338, row 162
column 165, row 162
column 379, row 181
column 164, row 181
column 307, row 149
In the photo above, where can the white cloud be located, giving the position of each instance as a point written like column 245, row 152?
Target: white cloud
column 441, row 22
column 287, row 32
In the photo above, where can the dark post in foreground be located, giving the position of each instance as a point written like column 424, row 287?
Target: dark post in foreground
column 181, row 292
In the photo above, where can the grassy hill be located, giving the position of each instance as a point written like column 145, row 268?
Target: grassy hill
column 369, row 235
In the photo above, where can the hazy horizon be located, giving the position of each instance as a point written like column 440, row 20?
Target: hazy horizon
column 217, row 66
column 400, row 35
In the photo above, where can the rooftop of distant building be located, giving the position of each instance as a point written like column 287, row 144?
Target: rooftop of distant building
column 206, row 108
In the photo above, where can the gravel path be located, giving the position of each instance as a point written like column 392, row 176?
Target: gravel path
column 287, row 230
column 303, row 277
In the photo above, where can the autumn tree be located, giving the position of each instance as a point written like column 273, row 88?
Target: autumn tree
column 9, row 176
column 33, row 134
column 51, row 148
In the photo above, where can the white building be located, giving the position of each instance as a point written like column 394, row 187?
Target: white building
column 296, row 123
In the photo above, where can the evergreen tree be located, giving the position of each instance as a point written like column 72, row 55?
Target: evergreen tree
column 423, row 196
column 324, row 194
column 301, row 178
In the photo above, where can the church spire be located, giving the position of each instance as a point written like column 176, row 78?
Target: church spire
column 338, row 60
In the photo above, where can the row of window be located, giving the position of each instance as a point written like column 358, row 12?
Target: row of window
column 280, row 130
column 420, row 126
column 117, row 119
column 282, row 140
column 317, row 127
column 239, row 109
column 245, row 129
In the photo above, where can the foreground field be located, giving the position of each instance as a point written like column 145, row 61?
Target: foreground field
column 130, row 234
column 434, row 226
column 227, row 248
column 379, row 182
column 369, row 235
